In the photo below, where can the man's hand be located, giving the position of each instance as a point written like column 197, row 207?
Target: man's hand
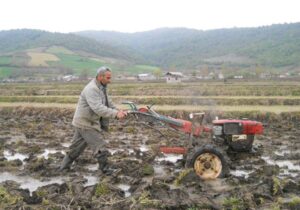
column 121, row 114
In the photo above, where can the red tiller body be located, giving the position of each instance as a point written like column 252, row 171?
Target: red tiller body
column 249, row 127
column 186, row 127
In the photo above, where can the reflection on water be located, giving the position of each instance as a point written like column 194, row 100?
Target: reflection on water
column 125, row 188
column 144, row 148
column 49, row 151
column 159, row 170
column 92, row 167
column 27, row 182
column 241, row 173
column 170, row 157
column 283, row 164
column 10, row 156
column 91, row 180
column 67, row 144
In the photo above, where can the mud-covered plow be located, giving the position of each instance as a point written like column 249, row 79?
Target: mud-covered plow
column 208, row 159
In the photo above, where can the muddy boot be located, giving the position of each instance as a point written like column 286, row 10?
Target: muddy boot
column 66, row 163
column 102, row 158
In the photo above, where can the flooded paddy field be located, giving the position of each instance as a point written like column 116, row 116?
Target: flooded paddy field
column 33, row 142
column 36, row 131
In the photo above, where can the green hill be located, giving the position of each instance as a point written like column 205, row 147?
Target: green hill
column 276, row 46
column 35, row 53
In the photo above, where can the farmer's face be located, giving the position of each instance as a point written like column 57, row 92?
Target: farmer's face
column 105, row 79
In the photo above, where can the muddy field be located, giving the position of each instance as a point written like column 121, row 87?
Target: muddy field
column 34, row 140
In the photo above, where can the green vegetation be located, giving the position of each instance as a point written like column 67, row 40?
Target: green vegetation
column 137, row 69
column 182, row 174
column 233, row 203
column 277, row 188
column 7, row 199
column 5, row 60
column 270, row 47
column 147, row 170
column 59, row 50
column 77, row 63
column 102, row 189
column 295, row 203
column 5, row 72
column 145, row 200
column 240, row 51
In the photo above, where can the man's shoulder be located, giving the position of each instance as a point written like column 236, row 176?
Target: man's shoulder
column 91, row 85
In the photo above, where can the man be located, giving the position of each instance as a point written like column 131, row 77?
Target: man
column 91, row 120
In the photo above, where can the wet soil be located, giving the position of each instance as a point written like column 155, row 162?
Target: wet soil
column 33, row 142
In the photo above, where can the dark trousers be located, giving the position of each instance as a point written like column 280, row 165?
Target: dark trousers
column 83, row 138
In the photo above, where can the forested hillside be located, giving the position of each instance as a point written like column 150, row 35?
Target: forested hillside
column 32, row 53
column 275, row 46
column 16, row 40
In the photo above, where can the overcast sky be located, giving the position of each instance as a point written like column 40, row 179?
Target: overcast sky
column 142, row 15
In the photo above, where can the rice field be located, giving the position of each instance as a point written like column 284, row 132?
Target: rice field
column 266, row 96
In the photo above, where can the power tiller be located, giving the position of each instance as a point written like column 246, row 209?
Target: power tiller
column 209, row 160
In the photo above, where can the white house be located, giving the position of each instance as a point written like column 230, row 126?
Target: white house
column 68, row 78
column 220, row 76
column 238, row 77
column 144, row 77
column 173, row 77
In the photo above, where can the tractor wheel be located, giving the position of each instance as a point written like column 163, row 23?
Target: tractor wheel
column 209, row 163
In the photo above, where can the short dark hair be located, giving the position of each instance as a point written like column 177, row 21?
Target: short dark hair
column 102, row 70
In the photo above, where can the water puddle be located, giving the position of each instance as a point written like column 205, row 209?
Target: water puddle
column 159, row 170
column 113, row 151
column 125, row 188
column 283, row 164
column 170, row 157
column 92, row 167
column 66, row 144
column 27, row 182
column 50, row 151
column 14, row 156
column 130, row 151
column 282, row 152
column 91, row 180
column 144, row 148
column 240, row 173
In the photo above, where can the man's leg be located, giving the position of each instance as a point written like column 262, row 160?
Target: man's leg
column 77, row 147
column 95, row 140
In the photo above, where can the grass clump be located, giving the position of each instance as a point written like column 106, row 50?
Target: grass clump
column 145, row 201
column 45, row 202
column 295, row 203
column 147, row 170
column 6, row 199
column 277, row 188
column 102, row 189
column 182, row 174
column 233, row 203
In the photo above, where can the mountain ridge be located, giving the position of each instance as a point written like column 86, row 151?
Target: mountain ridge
column 265, row 48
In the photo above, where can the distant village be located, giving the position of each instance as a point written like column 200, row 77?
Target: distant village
column 168, row 77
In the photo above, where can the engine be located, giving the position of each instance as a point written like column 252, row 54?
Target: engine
column 238, row 134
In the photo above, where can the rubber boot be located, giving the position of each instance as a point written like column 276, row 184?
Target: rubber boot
column 66, row 163
column 102, row 158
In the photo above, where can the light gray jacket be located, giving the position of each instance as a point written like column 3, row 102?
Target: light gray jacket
column 91, row 107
